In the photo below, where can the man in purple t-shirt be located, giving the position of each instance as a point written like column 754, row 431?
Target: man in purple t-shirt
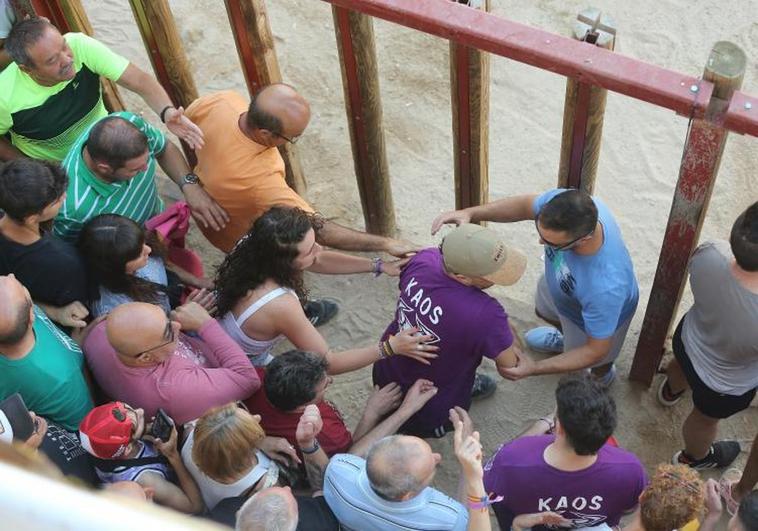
column 441, row 293
column 575, row 472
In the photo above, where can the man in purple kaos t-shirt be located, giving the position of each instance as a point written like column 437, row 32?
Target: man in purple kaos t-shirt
column 574, row 472
column 441, row 294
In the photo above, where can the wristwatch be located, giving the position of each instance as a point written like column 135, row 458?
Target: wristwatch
column 190, row 178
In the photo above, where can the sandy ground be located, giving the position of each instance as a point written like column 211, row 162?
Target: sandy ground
column 641, row 152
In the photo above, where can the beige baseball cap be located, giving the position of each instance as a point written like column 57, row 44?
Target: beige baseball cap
column 476, row 251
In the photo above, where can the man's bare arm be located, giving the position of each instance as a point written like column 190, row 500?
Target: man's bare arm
column 339, row 237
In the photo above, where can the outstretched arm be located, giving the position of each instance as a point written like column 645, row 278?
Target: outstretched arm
column 155, row 96
column 314, row 456
column 335, row 235
column 507, row 210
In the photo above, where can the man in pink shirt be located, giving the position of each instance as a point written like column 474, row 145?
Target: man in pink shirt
column 141, row 357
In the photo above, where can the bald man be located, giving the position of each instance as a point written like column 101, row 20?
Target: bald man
column 39, row 361
column 141, row 357
column 243, row 171
column 390, row 489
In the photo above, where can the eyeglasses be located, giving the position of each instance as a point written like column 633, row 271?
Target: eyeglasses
column 168, row 334
column 555, row 246
column 291, row 140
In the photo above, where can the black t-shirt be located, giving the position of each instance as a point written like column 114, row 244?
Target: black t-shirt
column 50, row 268
column 314, row 513
column 65, row 451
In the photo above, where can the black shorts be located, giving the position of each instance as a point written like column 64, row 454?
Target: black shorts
column 706, row 400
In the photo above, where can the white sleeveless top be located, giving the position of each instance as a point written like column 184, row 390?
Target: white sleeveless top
column 258, row 351
column 213, row 491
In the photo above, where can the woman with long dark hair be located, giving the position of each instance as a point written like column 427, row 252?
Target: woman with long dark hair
column 260, row 288
column 121, row 264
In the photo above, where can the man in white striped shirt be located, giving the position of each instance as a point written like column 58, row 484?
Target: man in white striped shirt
column 111, row 170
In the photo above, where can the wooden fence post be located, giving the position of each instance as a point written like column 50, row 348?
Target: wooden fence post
column 702, row 155
column 70, row 16
column 255, row 46
column 360, row 81
column 584, row 109
column 470, row 98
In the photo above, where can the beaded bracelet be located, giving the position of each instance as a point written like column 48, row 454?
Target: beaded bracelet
column 482, row 502
column 377, row 266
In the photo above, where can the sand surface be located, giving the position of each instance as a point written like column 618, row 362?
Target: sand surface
column 642, row 147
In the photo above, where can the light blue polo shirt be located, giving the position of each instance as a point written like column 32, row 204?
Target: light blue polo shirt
column 599, row 292
column 357, row 507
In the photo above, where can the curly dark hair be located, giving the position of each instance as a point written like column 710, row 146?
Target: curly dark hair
column 293, row 377
column 586, row 411
column 265, row 252
column 107, row 242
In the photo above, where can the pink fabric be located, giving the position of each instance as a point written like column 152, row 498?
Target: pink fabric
column 171, row 226
column 202, row 373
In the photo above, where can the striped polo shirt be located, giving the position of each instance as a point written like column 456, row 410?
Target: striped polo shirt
column 88, row 196
column 355, row 504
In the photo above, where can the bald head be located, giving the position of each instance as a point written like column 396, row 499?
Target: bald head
column 15, row 310
column 280, row 110
column 272, row 509
column 135, row 327
column 400, row 466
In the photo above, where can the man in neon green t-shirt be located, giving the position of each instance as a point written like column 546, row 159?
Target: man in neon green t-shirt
column 51, row 93
column 39, row 361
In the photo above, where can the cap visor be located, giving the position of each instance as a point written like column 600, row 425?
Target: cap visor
column 511, row 270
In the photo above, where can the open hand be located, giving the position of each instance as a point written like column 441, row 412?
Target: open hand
column 418, row 395
column 401, row 248
column 456, row 217
column 413, row 346
column 183, row 127
column 384, row 400
column 395, row 267
column 279, row 449
column 71, row 315
column 205, row 298
column 526, row 521
column 204, row 208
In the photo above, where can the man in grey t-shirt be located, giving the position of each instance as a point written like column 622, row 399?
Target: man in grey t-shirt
column 716, row 343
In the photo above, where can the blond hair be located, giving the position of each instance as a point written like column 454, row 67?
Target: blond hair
column 225, row 440
column 674, row 497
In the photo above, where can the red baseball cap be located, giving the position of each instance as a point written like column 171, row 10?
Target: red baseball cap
column 106, row 431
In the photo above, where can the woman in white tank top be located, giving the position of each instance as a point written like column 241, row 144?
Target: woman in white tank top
column 260, row 286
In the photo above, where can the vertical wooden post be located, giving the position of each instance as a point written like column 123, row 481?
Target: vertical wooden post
column 470, row 98
column 584, row 109
column 164, row 47
column 697, row 175
column 360, row 81
column 255, row 46
column 70, row 16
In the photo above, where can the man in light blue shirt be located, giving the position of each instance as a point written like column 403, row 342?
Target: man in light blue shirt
column 389, row 490
column 588, row 292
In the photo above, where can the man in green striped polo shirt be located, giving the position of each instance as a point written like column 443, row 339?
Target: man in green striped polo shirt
column 51, row 93
column 111, row 170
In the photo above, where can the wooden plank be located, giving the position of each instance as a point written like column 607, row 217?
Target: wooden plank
column 545, row 50
column 255, row 46
column 360, row 81
column 584, row 109
column 469, row 87
column 700, row 165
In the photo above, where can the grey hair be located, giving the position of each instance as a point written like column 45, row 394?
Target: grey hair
column 265, row 511
column 22, row 36
column 387, row 466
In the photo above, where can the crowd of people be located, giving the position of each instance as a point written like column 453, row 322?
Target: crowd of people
column 131, row 369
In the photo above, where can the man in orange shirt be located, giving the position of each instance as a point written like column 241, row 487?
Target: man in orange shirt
column 242, row 170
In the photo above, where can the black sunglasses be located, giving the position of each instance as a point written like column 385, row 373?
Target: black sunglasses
column 292, row 140
column 555, row 246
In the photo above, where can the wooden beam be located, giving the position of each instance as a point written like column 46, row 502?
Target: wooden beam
column 360, row 81
column 702, row 155
column 584, row 109
column 470, row 98
column 164, row 47
column 70, row 16
column 255, row 46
